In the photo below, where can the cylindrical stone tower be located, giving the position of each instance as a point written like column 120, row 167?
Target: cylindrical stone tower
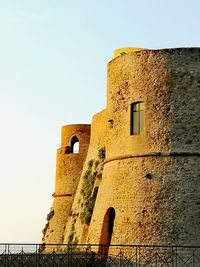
column 70, row 159
column 150, row 189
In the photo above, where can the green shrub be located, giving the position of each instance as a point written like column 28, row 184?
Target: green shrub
column 87, row 218
column 96, row 164
column 88, row 195
column 70, row 213
column 70, row 237
column 102, row 153
column 99, row 175
column 45, row 228
column 87, row 174
column 50, row 215
column 75, row 242
column 90, row 163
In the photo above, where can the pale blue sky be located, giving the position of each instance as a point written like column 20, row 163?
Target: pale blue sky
column 53, row 56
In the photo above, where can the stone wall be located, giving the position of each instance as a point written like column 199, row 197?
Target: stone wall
column 151, row 180
column 163, row 209
column 155, row 193
column 76, row 227
column 68, row 171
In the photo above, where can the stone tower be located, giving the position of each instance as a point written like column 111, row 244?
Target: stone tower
column 145, row 188
column 70, row 158
column 150, row 188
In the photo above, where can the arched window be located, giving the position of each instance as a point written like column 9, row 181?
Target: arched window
column 137, row 118
column 106, row 232
column 75, row 146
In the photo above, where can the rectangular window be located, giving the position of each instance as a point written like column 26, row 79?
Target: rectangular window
column 137, row 118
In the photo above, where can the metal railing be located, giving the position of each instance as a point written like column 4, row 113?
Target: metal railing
column 81, row 255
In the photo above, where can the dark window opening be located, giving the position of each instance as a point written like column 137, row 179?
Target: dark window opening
column 106, row 233
column 137, row 118
column 75, row 145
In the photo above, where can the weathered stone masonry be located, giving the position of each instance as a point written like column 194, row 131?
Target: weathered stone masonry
column 147, row 186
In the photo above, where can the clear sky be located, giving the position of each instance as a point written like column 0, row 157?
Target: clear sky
column 53, row 56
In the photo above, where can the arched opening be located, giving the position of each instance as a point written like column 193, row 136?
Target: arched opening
column 75, row 146
column 106, row 232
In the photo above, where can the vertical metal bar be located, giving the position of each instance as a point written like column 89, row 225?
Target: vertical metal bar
column 86, row 257
column 8, row 255
column 40, row 259
column 193, row 258
column 67, row 253
column 53, row 258
column 36, row 249
column 136, row 256
column 120, row 257
column 139, row 256
column 176, row 258
column 22, row 260
column 156, row 258
column 71, row 256
column 135, row 248
column 38, row 256
column 173, row 257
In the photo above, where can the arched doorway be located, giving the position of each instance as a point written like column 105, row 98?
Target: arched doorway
column 75, row 146
column 106, row 232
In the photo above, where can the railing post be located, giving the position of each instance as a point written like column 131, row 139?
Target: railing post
column 22, row 258
column 193, row 258
column 86, row 256
column 69, row 255
column 136, row 256
column 172, row 252
column 176, row 258
column 156, row 259
column 36, row 254
column 39, row 257
column 8, row 260
column 53, row 258
column 6, row 256
column 120, row 257
column 139, row 256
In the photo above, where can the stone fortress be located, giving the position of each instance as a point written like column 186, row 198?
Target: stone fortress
column 135, row 176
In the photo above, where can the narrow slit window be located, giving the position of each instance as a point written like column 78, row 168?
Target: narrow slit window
column 137, row 118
